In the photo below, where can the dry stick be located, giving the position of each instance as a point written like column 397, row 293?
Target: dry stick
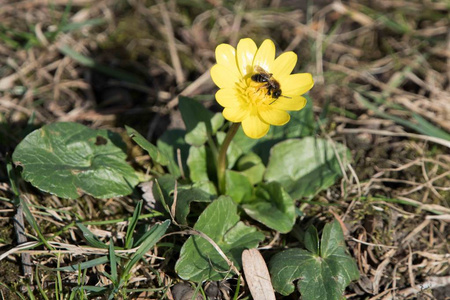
column 19, row 228
column 70, row 249
column 416, row 231
column 358, row 185
column 403, row 134
column 203, row 81
column 179, row 76
column 432, row 282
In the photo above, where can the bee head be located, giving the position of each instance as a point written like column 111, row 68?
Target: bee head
column 276, row 94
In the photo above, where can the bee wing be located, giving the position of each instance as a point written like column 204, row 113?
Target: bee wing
column 260, row 70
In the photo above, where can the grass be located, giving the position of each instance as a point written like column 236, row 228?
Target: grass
column 382, row 88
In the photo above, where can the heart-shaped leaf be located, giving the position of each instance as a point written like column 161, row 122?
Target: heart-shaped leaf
column 237, row 186
column 272, row 206
column 69, row 159
column 252, row 167
column 321, row 275
column 199, row 260
column 306, row 166
column 198, row 164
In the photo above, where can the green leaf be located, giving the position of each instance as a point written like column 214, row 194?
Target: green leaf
column 217, row 121
column 251, row 166
column 319, row 277
column 206, row 186
column 198, row 121
column 170, row 143
column 69, row 159
column 199, row 260
column 305, row 167
column 185, row 197
column 152, row 150
column 273, row 207
column 311, row 240
column 198, row 164
column 302, row 124
column 164, row 191
column 237, row 186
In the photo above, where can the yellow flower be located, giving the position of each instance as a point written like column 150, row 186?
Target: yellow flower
column 248, row 97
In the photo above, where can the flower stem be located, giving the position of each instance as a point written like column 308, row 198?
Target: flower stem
column 222, row 158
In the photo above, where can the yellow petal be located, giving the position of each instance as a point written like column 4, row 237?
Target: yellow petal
column 226, row 56
column 254, row 127
column 228, row 97
column 236, row 114
column 246, row 50
column 294, row 103
column 265, row 55
column 273, row 116
column 296, row 84
column 284, row 64
column 223, row 77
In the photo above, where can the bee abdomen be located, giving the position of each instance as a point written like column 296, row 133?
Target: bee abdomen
column 259, row 78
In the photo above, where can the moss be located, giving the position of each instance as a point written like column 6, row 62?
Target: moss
column 10, row 276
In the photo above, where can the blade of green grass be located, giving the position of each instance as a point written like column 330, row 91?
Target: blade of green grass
column 113, row 262
column 90, row 237
column 156, row 232
column 38, row 282
column 81, row 266
column 79, row 25
column 32, row 221
column 132, row 225
column 423, row 126
column 89, row 62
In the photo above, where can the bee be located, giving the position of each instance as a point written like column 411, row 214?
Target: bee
column 273, row 86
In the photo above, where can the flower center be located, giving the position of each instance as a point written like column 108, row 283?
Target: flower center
column 255, row 93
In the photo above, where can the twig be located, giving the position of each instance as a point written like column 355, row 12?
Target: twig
column 403, row 134
column 432, row 282
column 179, row 76
column 19, row 228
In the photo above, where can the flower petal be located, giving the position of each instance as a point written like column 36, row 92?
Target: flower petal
column 223, row 77
column 228, row 97
column 293, row 103
column 246, row 50
column 226, row 56
column 236, row 114
column 296, row 84
column 272, row 115
column 254, row 127
column 265, row 55
column 284, row 64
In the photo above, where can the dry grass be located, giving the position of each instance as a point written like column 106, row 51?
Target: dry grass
column 382, row 72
